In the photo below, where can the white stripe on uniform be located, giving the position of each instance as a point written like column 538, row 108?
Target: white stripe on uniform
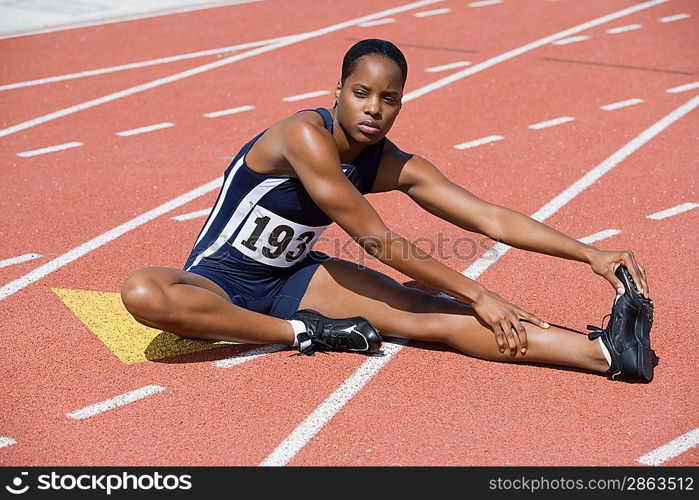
column 241, row 212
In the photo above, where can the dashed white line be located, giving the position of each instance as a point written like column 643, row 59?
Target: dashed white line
column 143, row 130
column 115, row 402
column 50, row 149
column 6, row 441
column 672, row 449
column 307, row 95
column 499, row 249
column 621, row 104
column 675, row 17
column 445, row 67
column 670, row 212
column 249, row 355
column 683, row 88
column 312, row 424
column 479, row 142
column 435, row 12
column 602, row 235
column 572, row 39
column 378, row 22
column 510, row 54
column 484, row 3
column 552, row 123
column 624, row 29
column 230, row 111
column 18, row 260
column 192, row 215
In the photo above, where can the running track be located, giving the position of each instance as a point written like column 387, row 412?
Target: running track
column 420, row 404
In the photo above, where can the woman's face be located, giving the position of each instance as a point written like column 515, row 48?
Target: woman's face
column 370, row 99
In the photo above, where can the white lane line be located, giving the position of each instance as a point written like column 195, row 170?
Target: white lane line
column 445, row 67
column 248, row 356
column 683, row 88
column 572, row 39
column 670, row 450
column 670, row 212
column 307, row 95
column 314, row 422
column 624, row 29
column 89, row 246
column 499, row 249
column 290, row 40
column 143, row 130
column 230, row 111
column 114, row 19
column 141, row 64
column 18, row 260
column 476, row 68
column 552, row 123
column 378, row 22
column 479, row 142
column 303, row 433
column 621, row 104
column 602, row 235
column 6, row 441
column 104, row 238
column 115, row 402
column 435, row 12
column 675, row 17
column 192, row 215
column 50, row 149
column 484, row 3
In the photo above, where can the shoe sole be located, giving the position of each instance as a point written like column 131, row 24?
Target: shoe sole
column 644, row 355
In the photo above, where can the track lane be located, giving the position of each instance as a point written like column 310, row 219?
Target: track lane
column 93, row 47
column 126, row 444
column 482, row 413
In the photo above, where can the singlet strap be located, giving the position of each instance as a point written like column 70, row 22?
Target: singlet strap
column 327, row 118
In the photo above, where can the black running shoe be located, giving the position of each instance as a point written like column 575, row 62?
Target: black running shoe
column 328, row 334
column 627, row 336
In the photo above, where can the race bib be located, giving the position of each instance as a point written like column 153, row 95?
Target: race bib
column 273, row 240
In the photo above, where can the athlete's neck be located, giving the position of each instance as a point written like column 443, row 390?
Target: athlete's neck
column 347, row 148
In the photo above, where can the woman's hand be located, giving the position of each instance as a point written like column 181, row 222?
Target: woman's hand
column 605, row 262
column 504, row 319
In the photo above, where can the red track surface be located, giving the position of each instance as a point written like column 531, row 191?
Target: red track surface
column 428, row 405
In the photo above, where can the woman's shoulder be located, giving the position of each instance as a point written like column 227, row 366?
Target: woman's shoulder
column 301, row 122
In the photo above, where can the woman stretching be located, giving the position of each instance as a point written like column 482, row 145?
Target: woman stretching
column 252, row 276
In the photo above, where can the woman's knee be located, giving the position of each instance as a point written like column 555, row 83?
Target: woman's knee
column 143, row 294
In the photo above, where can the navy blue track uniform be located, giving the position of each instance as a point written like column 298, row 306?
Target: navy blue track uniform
column 256, row 243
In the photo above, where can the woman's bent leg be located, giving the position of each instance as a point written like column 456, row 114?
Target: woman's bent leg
column 342, row 289
column 192, row 306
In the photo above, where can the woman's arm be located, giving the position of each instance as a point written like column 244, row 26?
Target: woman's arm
column 313, row 155
column 430, row 189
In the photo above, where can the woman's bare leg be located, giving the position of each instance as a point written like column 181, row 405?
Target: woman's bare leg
column 342, row 289
column 190, row 305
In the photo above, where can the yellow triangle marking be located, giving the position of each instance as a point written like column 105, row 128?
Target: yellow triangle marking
column 105, row 315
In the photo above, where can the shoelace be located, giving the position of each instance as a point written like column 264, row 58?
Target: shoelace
column 331, row 340
column 596, row 331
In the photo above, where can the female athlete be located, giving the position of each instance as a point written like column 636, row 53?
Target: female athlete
column 252, row 276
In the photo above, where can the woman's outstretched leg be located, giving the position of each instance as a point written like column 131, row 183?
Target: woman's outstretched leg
column 192, row 306
column 342, row 289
